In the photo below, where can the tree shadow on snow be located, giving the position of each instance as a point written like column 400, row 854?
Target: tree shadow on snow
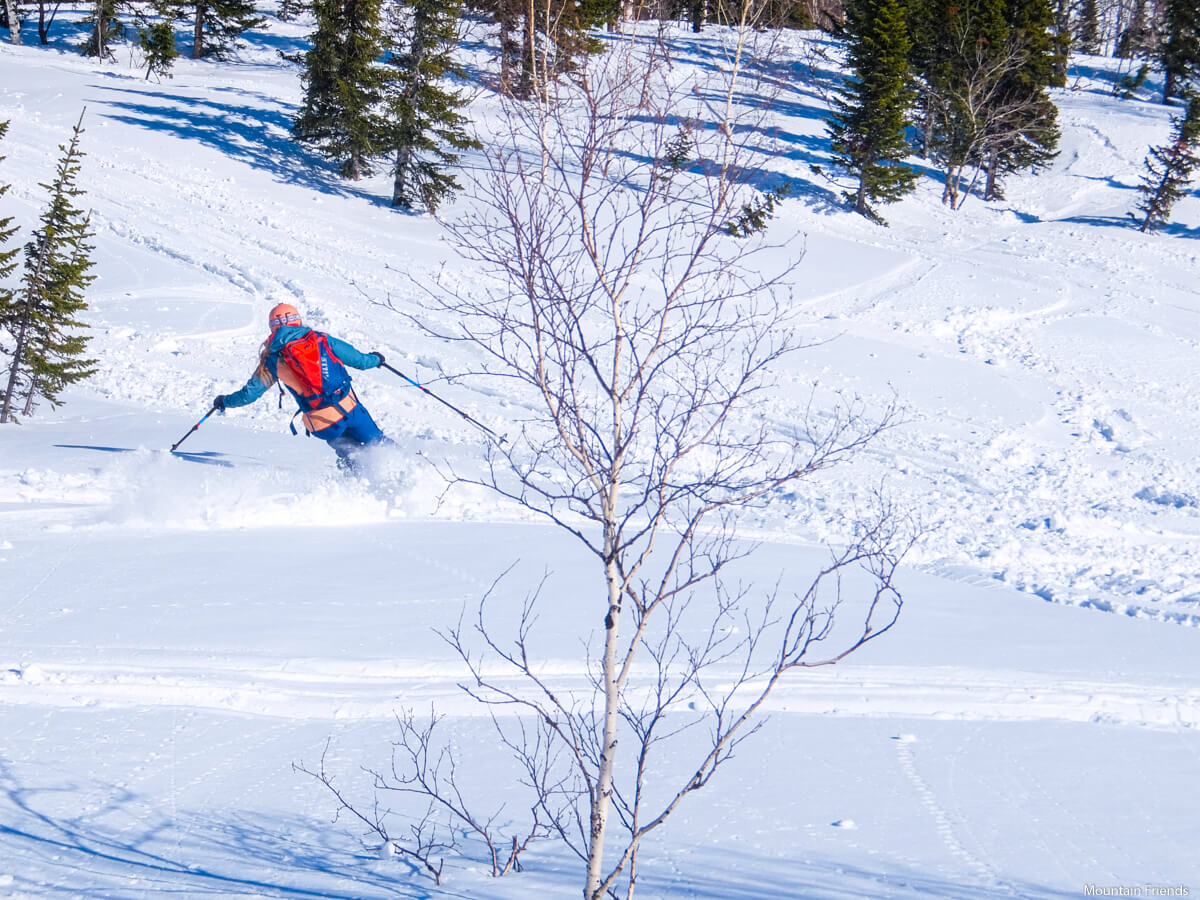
column 251, row 127
column 804, row 149
column 1180, row 230
column 98, row 839
column 1105, row 76
column 115, row 844
column 1171, row 229
column 1098, row 221
column 738, row 875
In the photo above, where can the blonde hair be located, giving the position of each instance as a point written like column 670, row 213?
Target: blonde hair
column 264, row 374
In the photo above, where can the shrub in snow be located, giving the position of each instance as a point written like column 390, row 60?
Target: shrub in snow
column 641, row 339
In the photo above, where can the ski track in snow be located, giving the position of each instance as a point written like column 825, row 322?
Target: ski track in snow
column 312, row 689
column 1090, row 519
column 1077, row 495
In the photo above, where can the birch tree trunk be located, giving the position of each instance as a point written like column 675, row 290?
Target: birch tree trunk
column 14, row 21
column 602, row 801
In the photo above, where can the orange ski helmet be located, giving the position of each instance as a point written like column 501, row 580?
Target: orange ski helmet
column 283, row 314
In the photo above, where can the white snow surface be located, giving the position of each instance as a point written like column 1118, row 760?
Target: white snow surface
column 177, row 631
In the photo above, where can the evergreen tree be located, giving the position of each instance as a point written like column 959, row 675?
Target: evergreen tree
column 424, row 123
column 984, row 68
column 8, row 258
column 972, row 55
column 103, row 23
column 563, row 39
column 1026, row 131
column 293, row 9
column 157, row 38
column 344, row 85
column 157, row 41
column 1169, row 168
column 1088, row 40
column 757, row 214
column 1180, row 51
column 44, row 312
column 929, row 47
column 218, row 24
column 871, row 115
column 1062, row 41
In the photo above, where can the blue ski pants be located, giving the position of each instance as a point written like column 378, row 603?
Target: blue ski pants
column 350, row 435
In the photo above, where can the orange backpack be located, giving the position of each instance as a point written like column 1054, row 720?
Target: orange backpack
column 322, row 378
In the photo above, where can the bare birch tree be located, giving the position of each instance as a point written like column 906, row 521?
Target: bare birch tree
column 974, row 116
column 644, row 342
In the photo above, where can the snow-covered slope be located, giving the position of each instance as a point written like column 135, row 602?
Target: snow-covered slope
column 175, row 632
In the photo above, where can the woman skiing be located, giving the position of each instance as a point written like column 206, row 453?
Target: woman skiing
column 312, row 366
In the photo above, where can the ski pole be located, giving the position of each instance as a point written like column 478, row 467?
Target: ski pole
column 474, row 422
column 194, row 427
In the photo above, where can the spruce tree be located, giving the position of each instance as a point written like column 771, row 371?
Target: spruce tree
column 344, row 85
column 102, row 23
column 43, row 315
column 929, row 48
column 8, row 258
column 218, row 23
column 425, row 126
column 1180, row 51
column 559, row 39
column 972, row 53
column 1169, row 168
column 1062, row 41
column 293, row 9
column 1088, row 40
column 1026, row 126
column 156, row 36
column 985, row 68
column 871, row 115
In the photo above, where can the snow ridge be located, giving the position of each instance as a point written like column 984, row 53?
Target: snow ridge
column 334, row 690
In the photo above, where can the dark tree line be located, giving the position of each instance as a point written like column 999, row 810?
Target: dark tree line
column 1180, row 50
column 540, row 42
column 215, row 25
column 1161, row 32
column 374, row 89
column 15, row 13
column 962, row 82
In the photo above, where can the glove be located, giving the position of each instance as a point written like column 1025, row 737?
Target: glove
column 378, row 356
column 219, row 403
